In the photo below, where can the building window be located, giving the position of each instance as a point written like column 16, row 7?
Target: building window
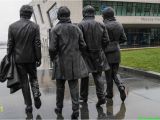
column 138, row 9
column 158, row 10
column 129, row 9
column 147, row 9
column 124, row 9
column 40, row 13
column 155, row 9
column 86, row 2
column 119, row 8
column 96, row 5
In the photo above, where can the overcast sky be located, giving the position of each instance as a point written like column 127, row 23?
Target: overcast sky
column 9, row 13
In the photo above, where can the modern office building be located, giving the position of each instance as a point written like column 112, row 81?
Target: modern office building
column 140, row 18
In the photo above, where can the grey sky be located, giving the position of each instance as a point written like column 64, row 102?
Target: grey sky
column 9, row 12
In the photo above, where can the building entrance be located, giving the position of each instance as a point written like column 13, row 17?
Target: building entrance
column 142, row 37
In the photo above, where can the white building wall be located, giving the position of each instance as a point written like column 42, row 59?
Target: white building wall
column 75, row 7
column 136, row 20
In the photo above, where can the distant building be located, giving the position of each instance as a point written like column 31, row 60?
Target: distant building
column 140, row 18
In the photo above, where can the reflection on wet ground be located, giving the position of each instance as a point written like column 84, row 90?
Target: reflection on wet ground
column 143, row 100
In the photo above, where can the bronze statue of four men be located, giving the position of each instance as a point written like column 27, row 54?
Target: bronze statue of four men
column 76, row 51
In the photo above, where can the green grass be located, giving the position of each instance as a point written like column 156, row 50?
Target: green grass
column 145, row 59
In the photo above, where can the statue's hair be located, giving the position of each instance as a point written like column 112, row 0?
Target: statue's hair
column 26, row 11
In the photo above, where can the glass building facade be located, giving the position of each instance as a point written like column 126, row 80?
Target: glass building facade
column 137, row 36
column 126, row 8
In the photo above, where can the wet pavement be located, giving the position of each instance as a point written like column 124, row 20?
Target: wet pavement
column 143, row 100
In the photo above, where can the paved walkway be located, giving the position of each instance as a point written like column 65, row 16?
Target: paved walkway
column 143, row 101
